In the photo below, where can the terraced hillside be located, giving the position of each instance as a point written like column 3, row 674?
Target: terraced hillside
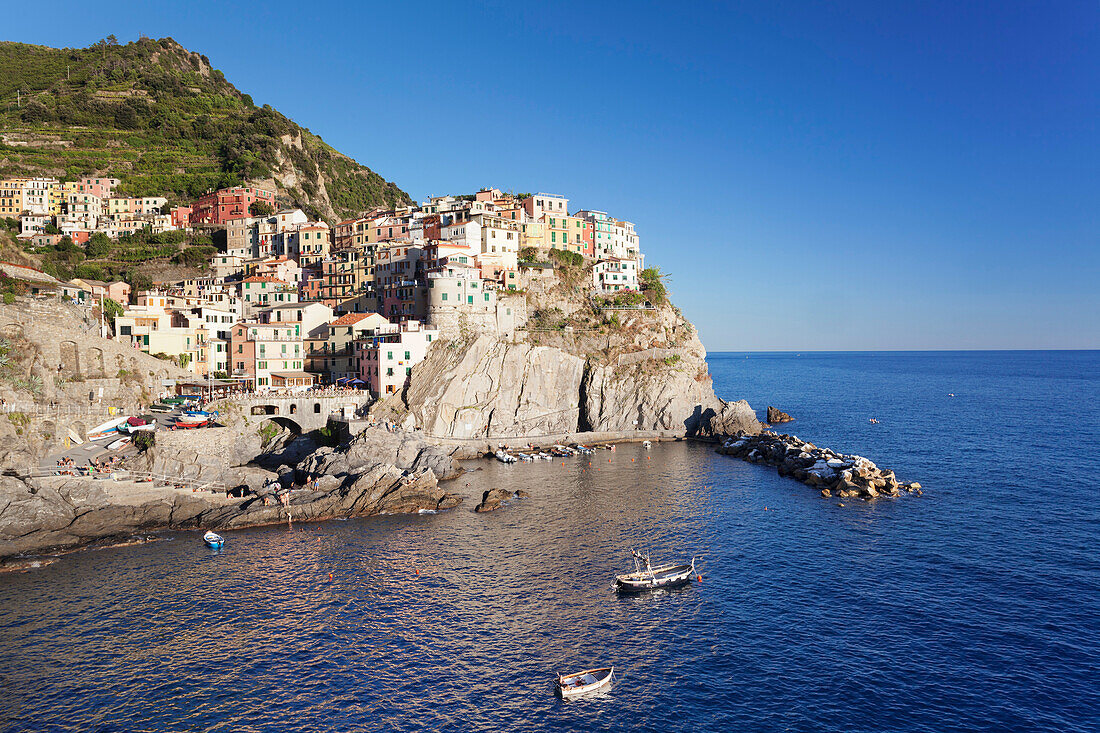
column 165, row 122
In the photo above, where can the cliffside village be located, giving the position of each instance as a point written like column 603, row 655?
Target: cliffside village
column 292, row 303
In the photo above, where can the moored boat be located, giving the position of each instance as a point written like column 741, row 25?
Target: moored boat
column 105, row 430
column 187, row 423
column 213, row 540
column 138, row 425
column 581, row 683
column 649, row 577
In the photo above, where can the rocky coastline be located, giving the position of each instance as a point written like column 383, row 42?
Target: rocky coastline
column 834, row 474
column 377, row 473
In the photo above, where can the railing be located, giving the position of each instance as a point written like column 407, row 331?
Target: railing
column 160, row 480
column 30, row 408
column 261, row 337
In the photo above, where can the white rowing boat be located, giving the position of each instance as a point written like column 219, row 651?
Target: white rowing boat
column 581, row 683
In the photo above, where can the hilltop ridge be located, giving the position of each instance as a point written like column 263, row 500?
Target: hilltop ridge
column 163, row 120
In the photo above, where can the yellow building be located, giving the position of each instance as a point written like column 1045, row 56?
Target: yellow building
column 11, row 197
column 57, row 197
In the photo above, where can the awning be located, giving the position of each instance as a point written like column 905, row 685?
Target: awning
column 294, row 376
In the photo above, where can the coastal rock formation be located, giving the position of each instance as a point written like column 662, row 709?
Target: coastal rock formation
column 378, row 472
column 493, row 499
column 731, row 418
column 489, row 388
column 374, row 446
column 496, row 498
column 63, row 513
column 833, row 473
column 776, row 416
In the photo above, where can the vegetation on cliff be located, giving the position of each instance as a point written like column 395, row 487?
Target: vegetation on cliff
column 162, row 120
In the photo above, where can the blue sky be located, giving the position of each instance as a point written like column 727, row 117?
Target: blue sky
column 811, row 175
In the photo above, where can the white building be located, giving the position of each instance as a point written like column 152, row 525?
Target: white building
column 546, row 203
column 612, row 275
column 386, row 356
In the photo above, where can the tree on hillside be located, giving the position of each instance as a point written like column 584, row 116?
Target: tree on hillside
column 98, row 246
column 260, row 208
column 112, row 310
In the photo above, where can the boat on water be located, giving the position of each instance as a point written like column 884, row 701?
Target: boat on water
column 505, row 457
column 646, row 444
column 213, row 540
column 581, row 683
column 646, row 577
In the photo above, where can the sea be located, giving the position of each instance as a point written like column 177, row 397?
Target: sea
column 975, row 607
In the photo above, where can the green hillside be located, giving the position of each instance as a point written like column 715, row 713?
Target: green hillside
column 165, row 122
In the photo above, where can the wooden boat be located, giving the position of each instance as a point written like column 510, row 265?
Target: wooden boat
column 650, row 578
column 105, row 430
column 138, row 425
column 581, row 683
column 120, row 443
column 213, row 540
column 187, row 423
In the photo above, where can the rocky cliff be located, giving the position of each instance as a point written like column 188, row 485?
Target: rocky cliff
column 582, row 364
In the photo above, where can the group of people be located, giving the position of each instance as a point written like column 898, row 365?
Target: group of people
column 68, row 467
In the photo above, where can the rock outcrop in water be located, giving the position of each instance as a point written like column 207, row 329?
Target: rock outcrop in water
column 776, row 416
column 831, row 472
column 496, row 498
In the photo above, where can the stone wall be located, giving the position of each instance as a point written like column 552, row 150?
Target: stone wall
column 508, row 313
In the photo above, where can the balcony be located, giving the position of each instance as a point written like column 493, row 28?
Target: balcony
column 269, row 337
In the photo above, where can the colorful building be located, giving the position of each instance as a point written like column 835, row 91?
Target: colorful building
column 386, row 356
column 218, row 207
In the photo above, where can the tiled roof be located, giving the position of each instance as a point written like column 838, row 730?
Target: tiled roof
column 349, row 319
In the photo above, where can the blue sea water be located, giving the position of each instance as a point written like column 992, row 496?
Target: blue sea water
column 975, row 607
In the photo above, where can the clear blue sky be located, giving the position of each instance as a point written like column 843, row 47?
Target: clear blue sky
column 836, row 175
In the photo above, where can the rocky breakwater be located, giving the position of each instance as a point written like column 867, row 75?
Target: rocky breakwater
column 835, row 474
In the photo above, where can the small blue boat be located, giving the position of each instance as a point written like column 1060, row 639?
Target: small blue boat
column 213, row 540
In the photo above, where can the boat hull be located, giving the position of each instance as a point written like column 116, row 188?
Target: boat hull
column 662, row 578
column 581, row 683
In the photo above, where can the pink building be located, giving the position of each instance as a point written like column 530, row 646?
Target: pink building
column 181, row 217
column 97, row 186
